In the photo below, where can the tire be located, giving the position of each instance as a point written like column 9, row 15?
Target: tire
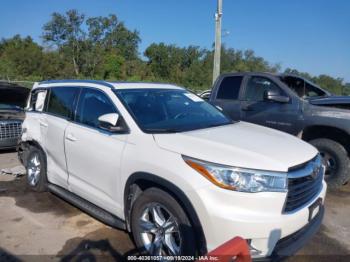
column 172, row 239
column 36, row 170
column 336, row 160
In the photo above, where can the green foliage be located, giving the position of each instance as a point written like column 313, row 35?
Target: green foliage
column 77, row 46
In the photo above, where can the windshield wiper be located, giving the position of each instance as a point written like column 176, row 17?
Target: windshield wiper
column 162, row 130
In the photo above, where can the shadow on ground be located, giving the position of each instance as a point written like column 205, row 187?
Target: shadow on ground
column 33, row 201
column 106, row 244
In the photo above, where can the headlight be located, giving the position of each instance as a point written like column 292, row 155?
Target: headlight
column 239, row 179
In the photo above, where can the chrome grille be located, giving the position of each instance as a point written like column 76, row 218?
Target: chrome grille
column 10, row 129
column 304, row 184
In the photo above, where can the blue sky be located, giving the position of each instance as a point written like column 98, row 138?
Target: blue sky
column 309, row 35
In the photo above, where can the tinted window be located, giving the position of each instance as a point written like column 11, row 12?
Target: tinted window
column 170, row 110
column 257, row 86
column 93, row 104
column 61, row 101
column 229, row 87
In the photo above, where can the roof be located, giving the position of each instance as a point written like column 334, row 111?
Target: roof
column 112, row 85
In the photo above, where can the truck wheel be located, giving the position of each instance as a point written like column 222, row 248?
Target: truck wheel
column 336, row 160
column 36, row 170
column 160, row 226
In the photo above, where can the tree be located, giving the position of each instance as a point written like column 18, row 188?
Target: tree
column 65, row 32
column 86, row 42
column 20, row 57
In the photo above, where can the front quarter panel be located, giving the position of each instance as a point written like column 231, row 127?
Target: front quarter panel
column 327, row 116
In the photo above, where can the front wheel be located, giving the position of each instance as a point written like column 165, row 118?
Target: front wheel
column 336, row 160
column 36, row 170
column 160, row 227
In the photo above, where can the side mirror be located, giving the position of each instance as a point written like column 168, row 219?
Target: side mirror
column 275, row 97
column 109, row 122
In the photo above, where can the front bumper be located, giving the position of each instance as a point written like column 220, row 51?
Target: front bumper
column 291, row 244
column 257, row 217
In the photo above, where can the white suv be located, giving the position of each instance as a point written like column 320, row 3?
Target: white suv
column 161, row 163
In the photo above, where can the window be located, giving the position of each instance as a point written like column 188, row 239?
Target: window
column 93, row 104
column 313, row 91
column 229, row 87
column 61, row 101
column 37, row 100
column 258, row 86
column 301, row 87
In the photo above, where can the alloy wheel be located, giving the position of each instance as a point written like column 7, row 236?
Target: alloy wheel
column 33, row 169
column 159, row 231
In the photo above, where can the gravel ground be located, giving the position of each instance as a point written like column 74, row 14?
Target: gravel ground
column 40, row 226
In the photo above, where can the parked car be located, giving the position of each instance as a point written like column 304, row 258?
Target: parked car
column 161, row 163
column 12, row 101
column 293, row 105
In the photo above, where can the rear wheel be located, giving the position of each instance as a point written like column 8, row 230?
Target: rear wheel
column 336, row 160
column 159, row 225
column 36, row 170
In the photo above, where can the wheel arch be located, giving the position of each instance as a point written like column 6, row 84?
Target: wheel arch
column 329, row 132
column 23, row 150
column 140, row 181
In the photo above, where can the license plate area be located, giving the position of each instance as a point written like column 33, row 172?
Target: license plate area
column 314, row 209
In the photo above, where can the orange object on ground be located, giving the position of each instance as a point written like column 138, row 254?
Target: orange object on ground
column 235, row 249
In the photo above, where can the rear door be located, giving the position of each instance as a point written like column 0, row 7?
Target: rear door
column 227, row 96
column 58, row 113
column 94, row 154
column 257, row 110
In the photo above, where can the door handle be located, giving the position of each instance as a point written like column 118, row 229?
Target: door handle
column 70, row 137
column 247, row 108
column 43, row 124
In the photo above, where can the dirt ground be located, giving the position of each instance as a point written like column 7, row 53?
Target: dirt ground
column 40, row 226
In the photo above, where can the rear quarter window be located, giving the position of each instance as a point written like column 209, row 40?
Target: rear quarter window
column 229, row 88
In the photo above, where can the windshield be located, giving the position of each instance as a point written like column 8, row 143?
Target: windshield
column 170, row 110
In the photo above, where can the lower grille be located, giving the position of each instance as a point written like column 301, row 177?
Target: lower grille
column 304, row 185
column 10, row 130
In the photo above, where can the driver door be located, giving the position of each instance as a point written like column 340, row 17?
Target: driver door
column 256, row 109
column 93, row 154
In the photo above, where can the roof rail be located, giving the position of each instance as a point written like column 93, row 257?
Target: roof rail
column 97, row 82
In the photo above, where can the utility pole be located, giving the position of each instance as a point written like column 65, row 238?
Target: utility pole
column 217, row 52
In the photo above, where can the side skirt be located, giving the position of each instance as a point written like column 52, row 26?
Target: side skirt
column 86, row 206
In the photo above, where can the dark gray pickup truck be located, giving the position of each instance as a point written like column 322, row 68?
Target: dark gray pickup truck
column 293, row 105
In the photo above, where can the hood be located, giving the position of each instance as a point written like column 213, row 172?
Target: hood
column 331, row 101
column 240, row 145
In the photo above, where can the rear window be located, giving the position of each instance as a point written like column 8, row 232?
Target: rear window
column 61, row 101
column 229, row 88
